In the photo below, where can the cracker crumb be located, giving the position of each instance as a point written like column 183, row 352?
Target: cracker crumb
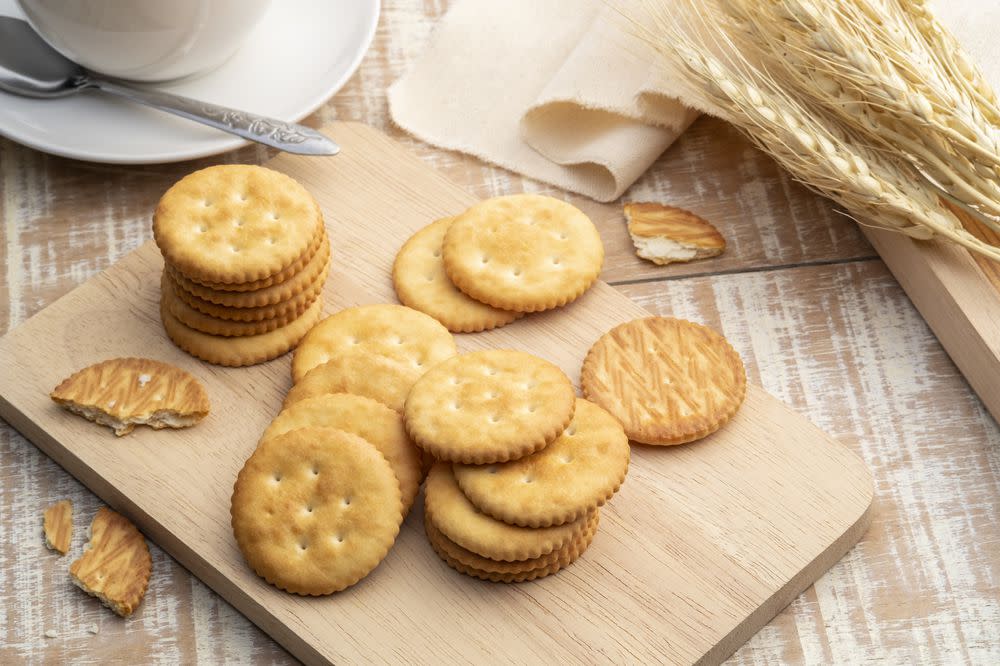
column 94, row 629
column 51, row 633
column 143, row 380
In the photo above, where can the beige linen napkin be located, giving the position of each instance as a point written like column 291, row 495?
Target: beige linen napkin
column 559, row 91
column 548, row 88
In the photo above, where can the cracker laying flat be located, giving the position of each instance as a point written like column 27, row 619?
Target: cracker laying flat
column 57, row 524
column 577, row 472
column 314, row 271
column 293, row 307
column 523, row 252
column 421, row 283
column 277, row 278
column 668, row 381
column 200, row 321
column 569, row 551
column 235, row 223
column 124, row 392
column 394, row 331
column 362, row 373
column 489, row 406
column 241, row 351
column 664, row 234
column 372, row 421
column 455, row 516
column 315, row 510
column 115, row 567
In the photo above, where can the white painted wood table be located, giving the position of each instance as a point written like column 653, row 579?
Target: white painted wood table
column 818, row 319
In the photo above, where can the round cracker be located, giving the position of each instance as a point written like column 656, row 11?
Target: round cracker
column 200, row 321
column 524, row 252
column 394, row 331
column 293, row 307
column 314, row 510
column 377, row 377
column 460, row 521
column 485, row 564
column 366, row 418
column 581, row 470
column 489, row 406
column 235, row 223
column 669, row 381
column 302, row 281
column 241, row 351
column 421, row 283
column 277, row 278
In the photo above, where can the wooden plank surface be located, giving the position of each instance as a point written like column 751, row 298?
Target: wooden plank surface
column 704, row 546
column 814, row 319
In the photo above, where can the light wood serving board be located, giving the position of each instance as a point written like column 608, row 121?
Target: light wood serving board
column 703, row 545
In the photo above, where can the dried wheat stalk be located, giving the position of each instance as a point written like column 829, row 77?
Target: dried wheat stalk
column 827, row 91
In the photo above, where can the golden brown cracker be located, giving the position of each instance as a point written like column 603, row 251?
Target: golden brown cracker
column 668, row 381
column 523, row 252
column 489, row 406
column 235, row 223
column 372, row 421
column 57, row 525
column 315, row 510
column 665, row 234
column 247, row 350
column 394, row 331
column 304, row 280
column 293, row 307
column 116, row 566
column 362, row 373
column 277, row 278
column 200, row 321
column 421, row 283
column 124, row 392
column 456, row 517
column 581, row 470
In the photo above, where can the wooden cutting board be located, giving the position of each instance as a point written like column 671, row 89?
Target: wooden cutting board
column 704, row 544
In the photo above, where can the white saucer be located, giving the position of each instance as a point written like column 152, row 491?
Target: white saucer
column 299, row 55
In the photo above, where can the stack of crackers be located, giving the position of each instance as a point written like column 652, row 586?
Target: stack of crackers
column 524, row 465
column 498, row 260
column 319, row 503
column 246, row 256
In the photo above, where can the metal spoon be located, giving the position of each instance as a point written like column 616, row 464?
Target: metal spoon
column 31, row 68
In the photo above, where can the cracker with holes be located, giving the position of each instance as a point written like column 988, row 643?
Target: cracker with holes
column 115, row 566
column 57, row 525
column 489, row 406
column 362, row 373
column 235, row 223
column 454, row 515
column 315, row 510
column 396, row 332
column 243, row 350
column 667, row 380
column 421, row 283
column 125, row 392
column 366, row 418
column 472, row 564
column 580, row 471
column 523, row 252
column 314, row 272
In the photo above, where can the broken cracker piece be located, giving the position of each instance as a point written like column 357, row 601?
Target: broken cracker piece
column 57, row 524
column 116, row 565
column 125, row 392
column 664, row 234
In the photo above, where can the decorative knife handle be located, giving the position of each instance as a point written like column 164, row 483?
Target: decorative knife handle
column 290, row 137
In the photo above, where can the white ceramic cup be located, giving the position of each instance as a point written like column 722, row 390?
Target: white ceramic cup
column 145, row 40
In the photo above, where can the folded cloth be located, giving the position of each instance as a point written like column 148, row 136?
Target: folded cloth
column 552, row 89
column 562, row 92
